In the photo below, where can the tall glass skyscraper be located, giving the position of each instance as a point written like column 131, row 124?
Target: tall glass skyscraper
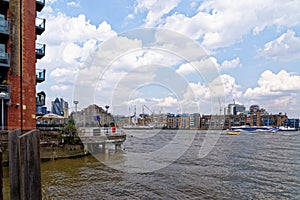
column 58, row 106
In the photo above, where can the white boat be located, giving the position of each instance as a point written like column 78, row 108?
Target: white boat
column 286, row 128
column 252, row 129
column 138, row 127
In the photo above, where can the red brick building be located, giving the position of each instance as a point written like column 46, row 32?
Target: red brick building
column 19, row 27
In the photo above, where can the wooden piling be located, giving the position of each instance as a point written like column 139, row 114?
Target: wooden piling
column 14, row 176
column 25, row 165
column 30, row 165
column 1, row 176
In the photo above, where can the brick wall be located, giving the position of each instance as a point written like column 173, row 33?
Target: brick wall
column 28, row 102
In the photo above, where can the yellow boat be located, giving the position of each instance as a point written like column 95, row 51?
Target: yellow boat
column 233, row 132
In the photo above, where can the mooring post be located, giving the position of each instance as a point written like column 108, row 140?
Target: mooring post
column 1, row 176
column 25, row 165
column 14, row 176
column 30, row 165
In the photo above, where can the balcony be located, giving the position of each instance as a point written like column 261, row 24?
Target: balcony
column 40, row 75
column 4, row 60
column 39, row 25
column 4, row 3
column 39, row 50
column 39, row 5
column 4, row 28
column 6, row 90
column 40, row 99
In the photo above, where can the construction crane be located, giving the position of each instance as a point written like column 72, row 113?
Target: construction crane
column 152, row 112
column 220, row 105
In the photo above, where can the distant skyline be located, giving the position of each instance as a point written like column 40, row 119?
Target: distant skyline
column 254, row 45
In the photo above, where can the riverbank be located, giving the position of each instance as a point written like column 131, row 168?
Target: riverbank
column 51, row 147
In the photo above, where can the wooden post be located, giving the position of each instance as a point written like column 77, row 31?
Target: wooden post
column 25, row 165
column 14, row 177
column 1, row 176
column 30, row 165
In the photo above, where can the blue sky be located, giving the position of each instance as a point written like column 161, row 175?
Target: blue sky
column 255, row 46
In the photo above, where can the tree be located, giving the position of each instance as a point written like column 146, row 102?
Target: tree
column 70, row 131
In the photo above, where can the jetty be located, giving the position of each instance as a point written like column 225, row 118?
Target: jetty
column 95, row 139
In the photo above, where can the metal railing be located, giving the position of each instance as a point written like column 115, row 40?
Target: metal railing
column 40, row 50
column 40, row 25
column 4, row 26
column 40, row 5
column 4, row 59
column 5, row 89
column 40, row 75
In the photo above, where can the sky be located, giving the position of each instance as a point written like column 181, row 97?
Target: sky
column 172, row 56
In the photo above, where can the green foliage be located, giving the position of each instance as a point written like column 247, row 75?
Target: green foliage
column 70, row 131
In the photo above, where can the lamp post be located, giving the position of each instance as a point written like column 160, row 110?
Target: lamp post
column 107, row 118
column 75, row 102
column 2, row 96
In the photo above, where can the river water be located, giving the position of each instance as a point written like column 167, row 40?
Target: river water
column 246, row 166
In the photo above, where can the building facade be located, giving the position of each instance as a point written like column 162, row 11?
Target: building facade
column 92, row 116
column 59, row 106
column 19, row 27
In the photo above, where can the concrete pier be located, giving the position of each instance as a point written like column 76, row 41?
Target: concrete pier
column 96, row 144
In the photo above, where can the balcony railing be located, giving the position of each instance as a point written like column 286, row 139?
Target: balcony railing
column 39, row 25
column 40, row 50
column 40, row 5
column 5, row 89
column 4, row 60
column 4, row 3
column 40, row 75
column 41, row 99
column 4, row 27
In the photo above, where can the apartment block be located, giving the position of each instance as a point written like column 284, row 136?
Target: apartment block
column 19, row 52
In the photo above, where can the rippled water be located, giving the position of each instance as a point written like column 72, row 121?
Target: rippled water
column 246, row 166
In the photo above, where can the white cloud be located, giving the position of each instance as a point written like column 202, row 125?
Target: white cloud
column 168, row 102
column 51, row 1
column 230, row 64
column 62, row 28
column 285, row 47
column 211, row 62
column 206, row 64
column 60, row 72
column 69, row 41
column 59, row 88
column 270, row 84
column 130, row 16
column 74, row 4
column 231, row 89
column 156, row 9
column 220, row 24
column 71, row 52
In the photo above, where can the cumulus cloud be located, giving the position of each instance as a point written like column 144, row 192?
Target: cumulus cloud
column 269, row 84
column 230, row 64
column 210, row 62
column 155, row 10
column 219, row 24
column 69, row 41
column 231, row 89
column 62, row 28
column 206, row 64
column 286, row 47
